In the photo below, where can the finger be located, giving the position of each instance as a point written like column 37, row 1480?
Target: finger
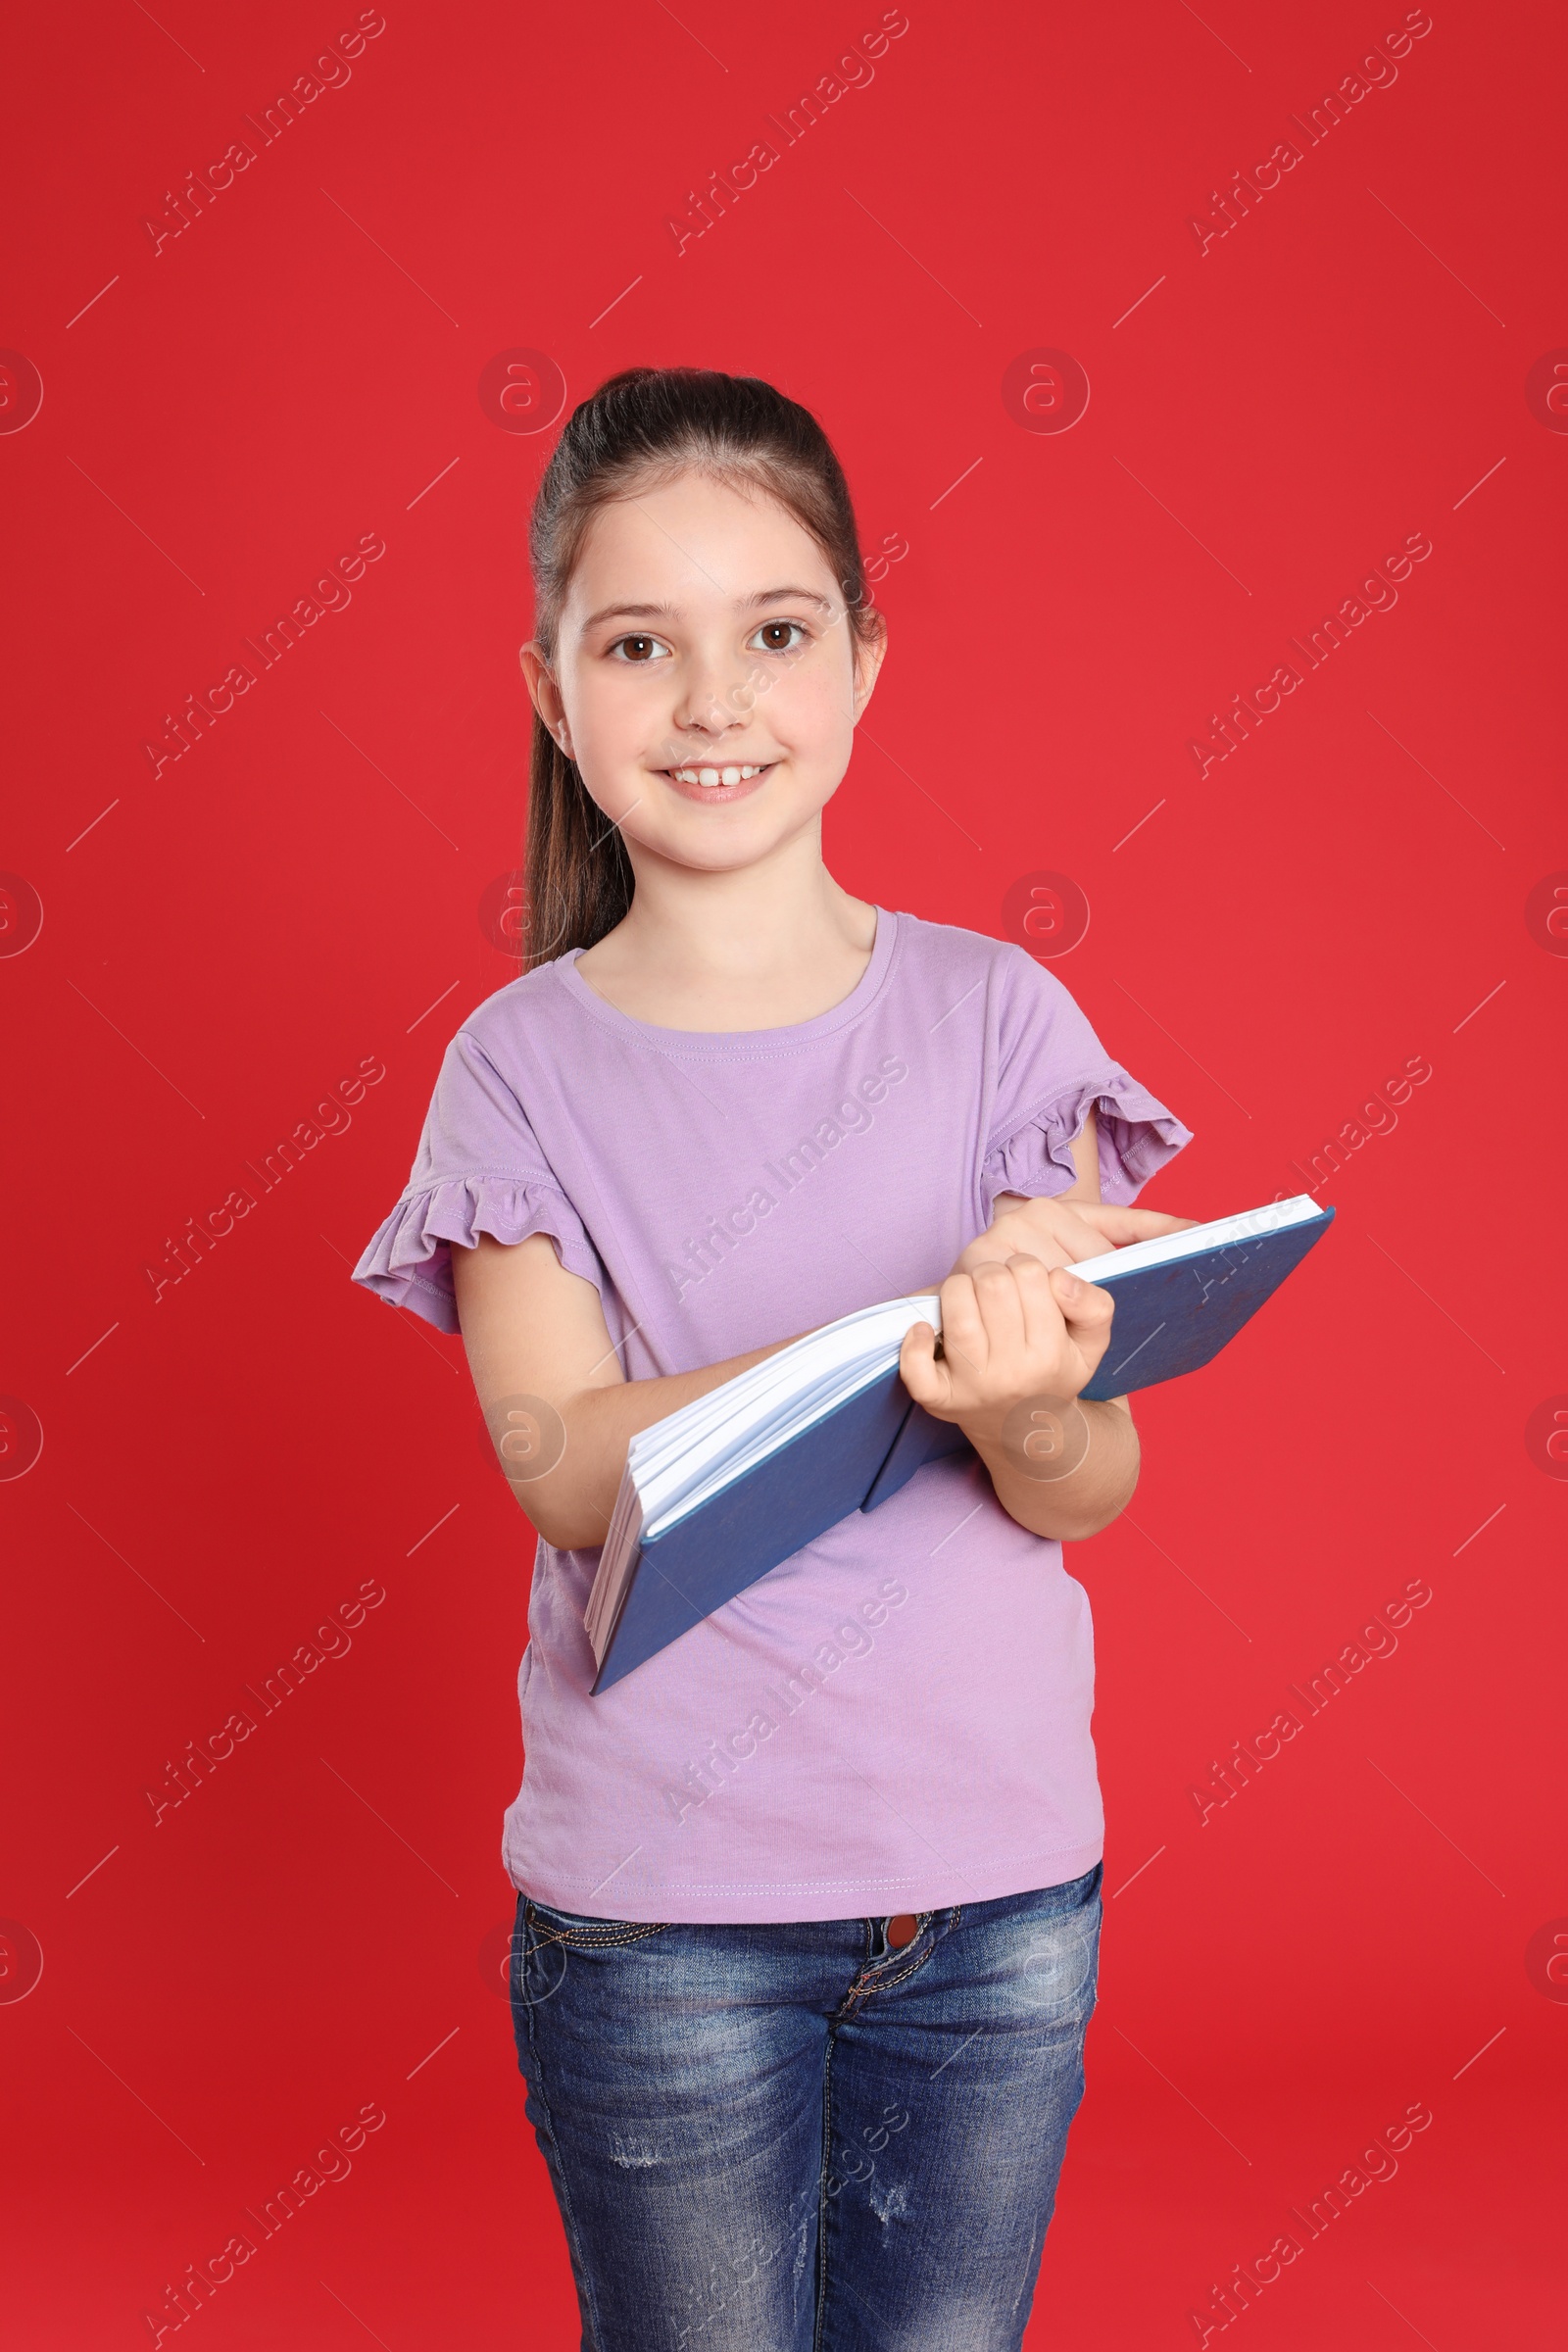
column 1121, row 1226
column 963, row 1333
column 995, row 1250
column 1044, row 1323
column 1071, row 1235
column 918, row 1365
column 1066, row 1238
column 1085, row 1308
column 1001, row 1304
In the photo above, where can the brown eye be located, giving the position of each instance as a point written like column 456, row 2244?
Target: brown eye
column 637, row 649
column 779, row 636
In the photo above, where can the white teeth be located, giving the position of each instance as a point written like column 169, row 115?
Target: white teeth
column 715, row 776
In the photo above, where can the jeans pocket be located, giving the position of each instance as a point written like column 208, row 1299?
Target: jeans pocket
column 546, row 1925
column 548, row 1942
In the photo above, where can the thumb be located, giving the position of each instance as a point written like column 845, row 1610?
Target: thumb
column 1085, row 1308
column 917, row 1363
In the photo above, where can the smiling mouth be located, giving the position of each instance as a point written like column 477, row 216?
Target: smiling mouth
column 717, row 776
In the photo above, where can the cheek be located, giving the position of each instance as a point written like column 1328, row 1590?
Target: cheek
column 810, row 711
column 618, row 714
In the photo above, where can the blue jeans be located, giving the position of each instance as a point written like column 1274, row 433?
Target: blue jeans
column 798, row 2138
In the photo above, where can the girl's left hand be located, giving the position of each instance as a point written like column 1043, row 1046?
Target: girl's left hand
column 1060, row 1228
column 1014, row 1331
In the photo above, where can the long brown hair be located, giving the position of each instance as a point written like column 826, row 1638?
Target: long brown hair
column 654, row 421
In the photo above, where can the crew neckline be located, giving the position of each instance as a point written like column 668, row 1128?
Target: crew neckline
column 821, row 1024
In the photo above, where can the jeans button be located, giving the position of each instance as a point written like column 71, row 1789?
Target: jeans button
column 902, row 1929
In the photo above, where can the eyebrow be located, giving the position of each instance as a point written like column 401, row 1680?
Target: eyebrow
column 744, row 604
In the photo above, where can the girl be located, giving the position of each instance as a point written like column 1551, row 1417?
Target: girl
column 727, row 1102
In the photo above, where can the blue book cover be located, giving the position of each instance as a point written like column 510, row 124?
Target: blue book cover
column 1179, row 1301
column 798, row 1493
column 1178, row 1307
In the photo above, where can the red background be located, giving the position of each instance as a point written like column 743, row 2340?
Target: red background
column 300, row 891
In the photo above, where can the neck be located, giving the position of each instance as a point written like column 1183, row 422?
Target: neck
column 751, row 948
column 747, row 924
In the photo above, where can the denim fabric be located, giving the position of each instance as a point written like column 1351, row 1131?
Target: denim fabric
column 796, row 2138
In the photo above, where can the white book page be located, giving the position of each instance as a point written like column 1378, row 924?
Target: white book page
column 1250, row 1226
column 673, row 1459
column 817, row 1403
column 700, row 1448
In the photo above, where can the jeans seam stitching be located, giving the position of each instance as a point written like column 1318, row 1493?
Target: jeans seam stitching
column 888, row 1982
column 569, row 2211
column 583, row 1944
column 586, row 1941
column 821, row 2191
column 860, row 1990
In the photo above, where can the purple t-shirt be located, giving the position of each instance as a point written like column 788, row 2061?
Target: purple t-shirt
column 896, row 1717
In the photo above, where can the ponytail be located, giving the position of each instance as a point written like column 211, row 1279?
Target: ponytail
column 578, row 875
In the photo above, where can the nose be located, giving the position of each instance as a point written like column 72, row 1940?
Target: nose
column 717, row 697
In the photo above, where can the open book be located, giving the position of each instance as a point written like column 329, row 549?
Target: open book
column 729, row 1486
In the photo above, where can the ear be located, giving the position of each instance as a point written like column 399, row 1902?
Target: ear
column 544, row 693
column 868, row 657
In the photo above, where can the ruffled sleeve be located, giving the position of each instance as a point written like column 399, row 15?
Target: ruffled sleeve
column 1053, row 1072
column 1137, row 1136
column 480, row 1169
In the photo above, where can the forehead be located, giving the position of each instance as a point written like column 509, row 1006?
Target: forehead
column 695, row 543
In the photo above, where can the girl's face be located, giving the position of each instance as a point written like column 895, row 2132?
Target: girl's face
column 705, row 678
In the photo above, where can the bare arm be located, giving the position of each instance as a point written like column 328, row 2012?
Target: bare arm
column 559, row 1408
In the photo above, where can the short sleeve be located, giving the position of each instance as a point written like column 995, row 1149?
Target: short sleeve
column 480, row 1169
column 1052, row 1071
